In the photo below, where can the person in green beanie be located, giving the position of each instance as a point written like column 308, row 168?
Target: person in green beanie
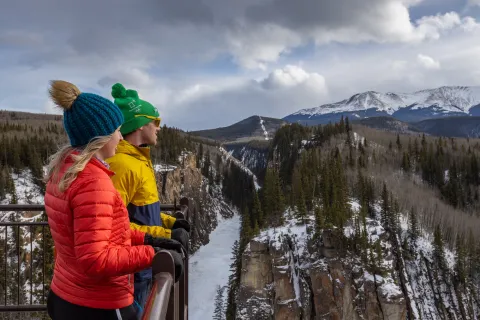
column 135, row 178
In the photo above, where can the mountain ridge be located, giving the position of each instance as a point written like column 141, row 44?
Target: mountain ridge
column 252, row 128
column 411, row 107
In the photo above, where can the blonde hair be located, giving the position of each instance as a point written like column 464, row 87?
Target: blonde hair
column 64, row 94
column 79, row 162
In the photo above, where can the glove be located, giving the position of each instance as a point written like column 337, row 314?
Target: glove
column 179, row 215
column 181, row 235
column 177, row 261
column 181, row 223
column 162, row 243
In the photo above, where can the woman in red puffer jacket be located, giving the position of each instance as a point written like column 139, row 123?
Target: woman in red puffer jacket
column 96, row 251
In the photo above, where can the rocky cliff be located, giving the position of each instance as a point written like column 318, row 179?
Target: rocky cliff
column 186, row 180
column 287, row 273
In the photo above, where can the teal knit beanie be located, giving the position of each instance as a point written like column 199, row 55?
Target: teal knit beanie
column 85, row 115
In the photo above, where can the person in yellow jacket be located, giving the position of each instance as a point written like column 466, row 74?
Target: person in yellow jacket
column 135, row 179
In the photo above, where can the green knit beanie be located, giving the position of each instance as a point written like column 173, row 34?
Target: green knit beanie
column 136, row 112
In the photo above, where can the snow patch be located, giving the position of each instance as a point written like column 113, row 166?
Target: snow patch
column 164, row 168
column 263, row 128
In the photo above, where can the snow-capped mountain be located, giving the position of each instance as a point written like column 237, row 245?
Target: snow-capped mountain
column 411, row 107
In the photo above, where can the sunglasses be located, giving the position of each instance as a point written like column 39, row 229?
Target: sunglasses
column 156, row 119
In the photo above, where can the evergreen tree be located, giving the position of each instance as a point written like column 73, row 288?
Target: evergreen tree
column 11, row 188
column 3, row 184
column 413, row 226
column 406, row 162
column 279, row 199
column 206, row 165
column 36, row 165
column 385, row 212
column 348, row 141
column 394, row 214
column 233, row 280
column 351, row 159
column 15, row 162
column 200, row 155
column 347, row 125
column 460, row 258
column 246, row 228
column 438, row 249
column 301, row 207
column 452, row 188
column 218, row 312
column 342, row 123
column 319, row 219
column 256, row 211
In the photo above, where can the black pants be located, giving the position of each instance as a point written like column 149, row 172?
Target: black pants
column 59, row 309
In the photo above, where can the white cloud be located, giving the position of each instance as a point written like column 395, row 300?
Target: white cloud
column 166, row 50
column 428, row 62
column 292, row 76
column 381, row 21
column 274, row 95
column 254, row 46
column 397, row 68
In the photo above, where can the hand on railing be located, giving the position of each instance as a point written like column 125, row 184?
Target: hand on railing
column 163, row 243
column 181, row 223
column 181, row 236
column 166, row 264
column 179, row 214
column 177, row 261
column 158, row 302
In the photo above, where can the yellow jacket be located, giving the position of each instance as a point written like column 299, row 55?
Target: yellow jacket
column 135, row 181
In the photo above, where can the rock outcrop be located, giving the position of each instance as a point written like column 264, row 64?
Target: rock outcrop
column 286, row 275
column 186, row 180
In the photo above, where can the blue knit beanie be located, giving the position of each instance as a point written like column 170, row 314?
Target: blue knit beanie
column 85, row 115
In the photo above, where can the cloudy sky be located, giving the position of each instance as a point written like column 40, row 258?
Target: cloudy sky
column 210, row 63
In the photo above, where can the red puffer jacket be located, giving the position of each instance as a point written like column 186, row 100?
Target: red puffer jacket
column 96, row 251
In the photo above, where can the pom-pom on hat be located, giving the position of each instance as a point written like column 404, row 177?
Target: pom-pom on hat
column 137, row 112
column 85, row 115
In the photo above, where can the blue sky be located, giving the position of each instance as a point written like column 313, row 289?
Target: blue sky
column 211, row 63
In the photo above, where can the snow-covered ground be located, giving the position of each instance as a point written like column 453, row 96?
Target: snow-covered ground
column 26, row 190
column 209, row 268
